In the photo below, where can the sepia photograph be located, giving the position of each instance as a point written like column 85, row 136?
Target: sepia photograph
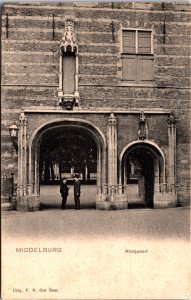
column 95, row 150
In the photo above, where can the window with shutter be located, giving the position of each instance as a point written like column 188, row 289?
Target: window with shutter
column 129, row 71
column 137, row 56
column 145, row 69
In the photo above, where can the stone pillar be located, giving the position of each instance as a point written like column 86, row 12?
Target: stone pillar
column 100, row 176
column 22, row 164
column 60, row 73
column 156, row 175
column 26, row 200
column 36, row 182
column 112, row 196
column 20, row 160
column 112, row 150
column 22, row 155
column 166, row 195
column 103, row 166
column 76, row 93
column 125, row 172
column 99, row 166
column 171, row 149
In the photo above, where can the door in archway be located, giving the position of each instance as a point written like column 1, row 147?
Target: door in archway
column 139, row 176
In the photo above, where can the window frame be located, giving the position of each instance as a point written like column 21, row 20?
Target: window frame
column 136, row 41
column 124, row 81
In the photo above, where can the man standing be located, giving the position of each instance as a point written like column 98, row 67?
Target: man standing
column 77, row 189
column 64, row 192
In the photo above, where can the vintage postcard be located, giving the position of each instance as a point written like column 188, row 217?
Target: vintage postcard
column 95, row 173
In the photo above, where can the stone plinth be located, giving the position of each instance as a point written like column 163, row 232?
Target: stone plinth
column 7, row 206
column 165, row 200
column 117, row 202
column 115, row 205
column 28, row 203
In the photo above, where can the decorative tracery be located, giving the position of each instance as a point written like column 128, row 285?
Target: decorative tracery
column 68, row 42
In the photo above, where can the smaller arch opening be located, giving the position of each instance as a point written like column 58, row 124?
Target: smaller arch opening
column 142, row 170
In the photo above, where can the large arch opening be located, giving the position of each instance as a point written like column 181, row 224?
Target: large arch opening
column 61, row 149
column 65, row 152
column 142, row 169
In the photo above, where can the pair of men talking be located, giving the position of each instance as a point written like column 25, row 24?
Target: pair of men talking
column 64, row 191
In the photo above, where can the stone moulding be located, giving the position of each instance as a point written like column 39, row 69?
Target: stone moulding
column 98, row 110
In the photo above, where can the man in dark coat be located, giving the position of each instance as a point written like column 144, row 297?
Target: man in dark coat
column 64, row 192
column 77, row 190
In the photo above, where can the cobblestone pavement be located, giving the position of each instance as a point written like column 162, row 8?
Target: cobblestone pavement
column 171, row 223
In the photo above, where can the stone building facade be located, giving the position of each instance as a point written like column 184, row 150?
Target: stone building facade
column 112, row 76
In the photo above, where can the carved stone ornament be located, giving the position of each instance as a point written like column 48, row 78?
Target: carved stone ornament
column 171, row 120
column 112, row 119
column 22, row 119
column 68, row 42
column 68, row 102
column 143, row 128
column 142, row 118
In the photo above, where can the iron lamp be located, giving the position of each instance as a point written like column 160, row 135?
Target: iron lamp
column 13, row 130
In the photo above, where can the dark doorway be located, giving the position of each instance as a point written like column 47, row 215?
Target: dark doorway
column 140, row 172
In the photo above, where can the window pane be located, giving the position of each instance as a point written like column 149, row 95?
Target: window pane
column 69, row 73
column 129, row 68
column 129, row 41
column 144, row 42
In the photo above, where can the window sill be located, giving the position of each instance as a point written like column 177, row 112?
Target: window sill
column 136, row 54
column 124, row 83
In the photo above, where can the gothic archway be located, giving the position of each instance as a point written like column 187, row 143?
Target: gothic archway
column 61, row 131
column 142, row 170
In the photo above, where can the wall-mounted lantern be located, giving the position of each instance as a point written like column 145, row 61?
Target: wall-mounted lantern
column 13, row 130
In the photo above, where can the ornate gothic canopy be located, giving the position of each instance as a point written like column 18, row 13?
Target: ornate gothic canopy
column 68, row 42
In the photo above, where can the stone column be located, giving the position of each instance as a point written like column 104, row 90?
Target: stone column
column 171, row 149
column 22, row 155
column 76, row 93
column 36, row 171
column 99, row 179
column 60, row 89
column 20, row 160
column 112, row 150
column 112, row 194
column 103, row 166
column 156, row 175
column 125, row 172
column 22, row 164
column 31, row 170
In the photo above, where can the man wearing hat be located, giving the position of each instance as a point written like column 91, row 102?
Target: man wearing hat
column 77, row 189
column 64, row 192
